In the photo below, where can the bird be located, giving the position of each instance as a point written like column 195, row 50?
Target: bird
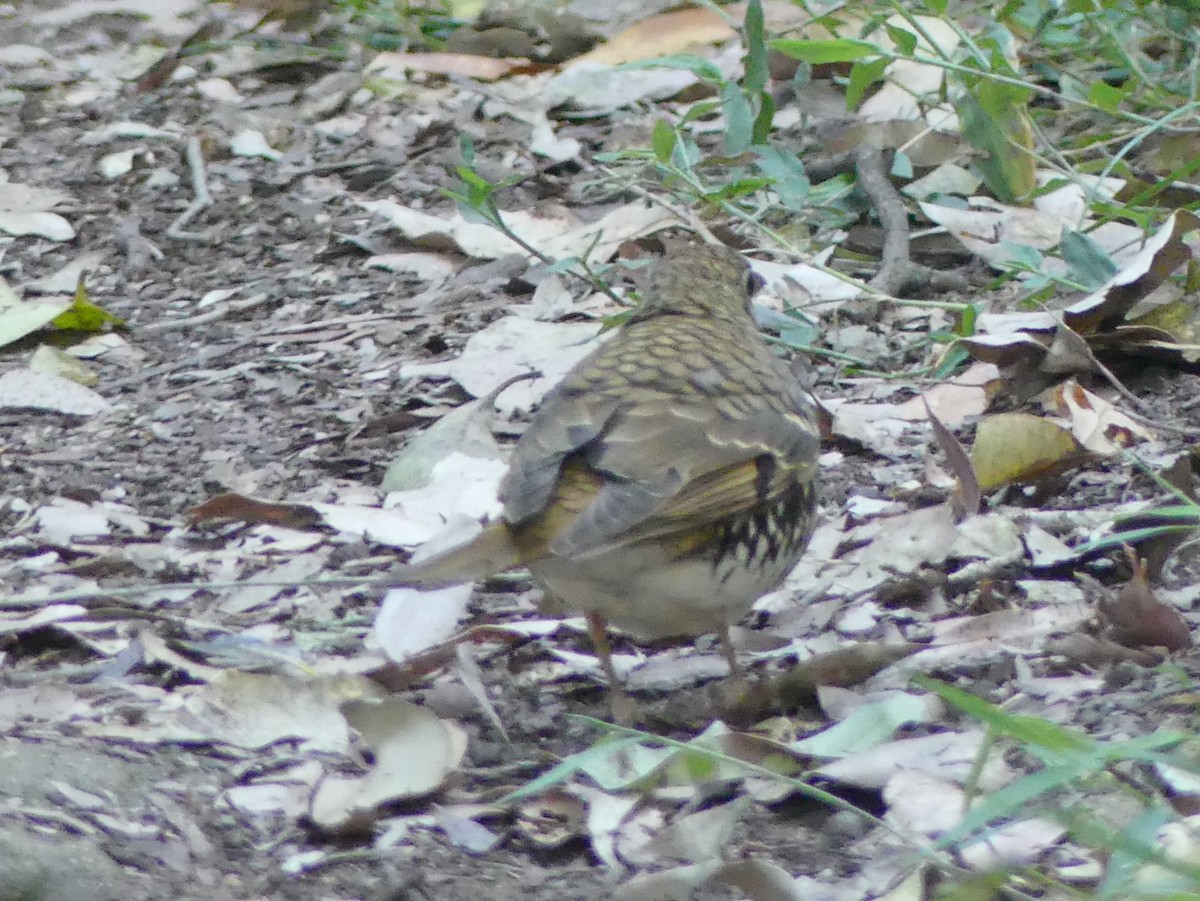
column 668, row 481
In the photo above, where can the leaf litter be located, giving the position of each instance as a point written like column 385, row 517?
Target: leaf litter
column 242, row 654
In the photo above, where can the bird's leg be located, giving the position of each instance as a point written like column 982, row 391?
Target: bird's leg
column 624, row 709
column 734, row 697
column 737, row 676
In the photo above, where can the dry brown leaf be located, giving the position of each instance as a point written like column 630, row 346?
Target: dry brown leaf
column 844, row 667
column 1065, row 344
column 662, row 35
column 240, row 508
column 1082, row 649
column 1139, row 619
column 967, row 494
column 1162, row 254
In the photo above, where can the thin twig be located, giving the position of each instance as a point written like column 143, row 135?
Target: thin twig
column 220, row 311
column 897, row 274
column 202, row 199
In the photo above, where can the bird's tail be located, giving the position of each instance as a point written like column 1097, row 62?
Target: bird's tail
column 489, row 552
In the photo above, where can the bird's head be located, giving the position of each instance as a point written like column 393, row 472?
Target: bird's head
column 711, row 281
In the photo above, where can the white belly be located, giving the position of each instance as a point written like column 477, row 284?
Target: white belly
column 657, row 598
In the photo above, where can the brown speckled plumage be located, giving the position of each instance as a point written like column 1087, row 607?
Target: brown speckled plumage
column 669, row 480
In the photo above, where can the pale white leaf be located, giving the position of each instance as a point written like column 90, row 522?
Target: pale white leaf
column 410, row 620
column 28, row 389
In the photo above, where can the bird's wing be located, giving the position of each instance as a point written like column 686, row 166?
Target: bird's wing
column 710, row 461
column 564, row 425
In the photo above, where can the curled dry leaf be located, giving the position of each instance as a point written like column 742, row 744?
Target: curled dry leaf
column 1096, row 424
column 1140, row 619
column 1052, row 342
column 414, row 753
column 967, row 494
column 680, row 31
column 239, row 508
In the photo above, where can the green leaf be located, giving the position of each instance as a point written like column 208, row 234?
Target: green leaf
column 756, row 49
column 1133, row 536
column 1105, row 96
column 776, row 321
column 563, row 264
column 867, row 727
column 902, row 166
column 700, row 110
column 905, row 41
column 466, row 148
column 862, row 76
column 787, row 175
column 1130, row 856
column 1028, row 729
column 472, row 179
column 1089, row 264
column 966, row 322
column 474, row 212
column 85, row 316
column 743, row 187
column 1186, row 513
column 1022, row 256
column 739, row 119
column 584, row 761
column 794, row 328
column 993, row 116
column 764, row 121
column 837, row 50
column 662, row 141
column 1012, row 799
column 937, row 7
column 954, row 358
column 690, row 62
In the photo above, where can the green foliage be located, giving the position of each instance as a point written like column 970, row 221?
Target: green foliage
column 1088, row 263
column 819, row 52
column 1181, row 515
column 474, row 194
column 393, row 24
column 1075, row 86
column 1070, row 764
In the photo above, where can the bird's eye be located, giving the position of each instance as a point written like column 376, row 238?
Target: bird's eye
column 754, row 283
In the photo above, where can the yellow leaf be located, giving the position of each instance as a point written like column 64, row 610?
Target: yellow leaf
column 1019, row 447
column 85, row 316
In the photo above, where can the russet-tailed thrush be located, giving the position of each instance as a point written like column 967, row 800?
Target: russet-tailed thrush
column 669, row 480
